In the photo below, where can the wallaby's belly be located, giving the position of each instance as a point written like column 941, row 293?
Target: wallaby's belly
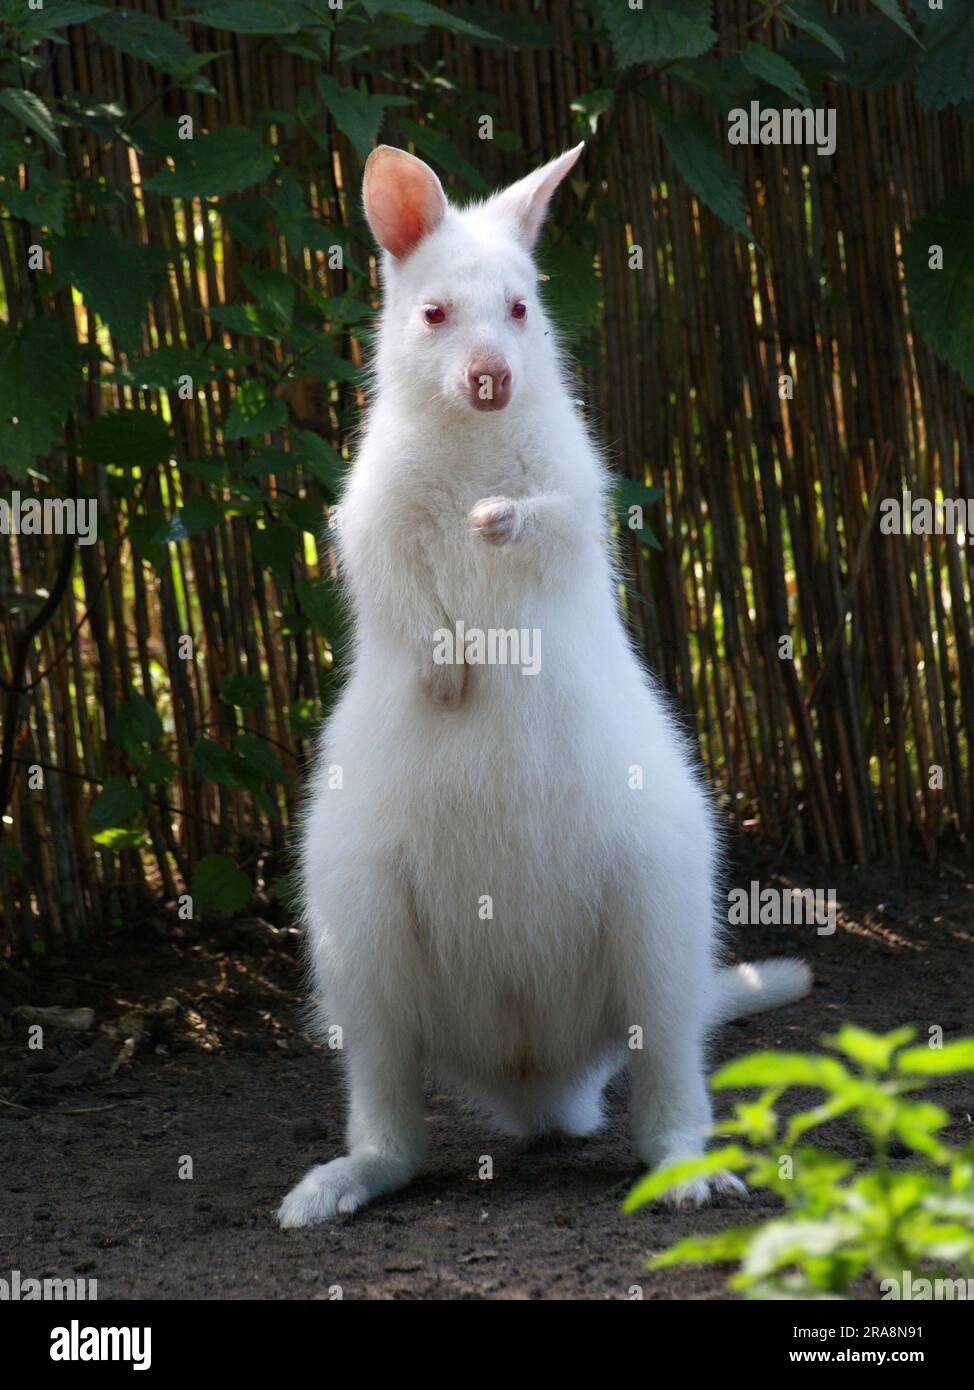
column 508, row 818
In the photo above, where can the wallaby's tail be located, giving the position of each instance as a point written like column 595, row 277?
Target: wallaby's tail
column 764, row 984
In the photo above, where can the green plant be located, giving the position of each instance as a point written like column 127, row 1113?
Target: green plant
column 841, row 1222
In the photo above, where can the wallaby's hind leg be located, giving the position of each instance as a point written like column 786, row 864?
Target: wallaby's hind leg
column 667, row 985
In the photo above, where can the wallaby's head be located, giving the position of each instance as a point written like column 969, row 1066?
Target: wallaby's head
column 462, row 323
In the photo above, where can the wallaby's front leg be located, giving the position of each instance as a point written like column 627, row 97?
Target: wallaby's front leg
column 393, row 579
column 544, row 528
column 386, row 1134
column 366, row 964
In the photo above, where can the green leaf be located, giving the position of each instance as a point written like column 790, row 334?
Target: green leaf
column 43, row 202
column 119, row 837
column 115, row 804
column 724, row 80
column 675, row 1174
column 249, row 319
column 40, row 376
column 772, row 68
column 942, row 301
column 58, row 14
column 706, row 1249
column 128, row 439
column 273, row 288
column 870, row 1050
column 873, row 58
column 891, row 9
column 572, row 292
column 275, row 547
column 246, row 220
column 422, row 13
column 29, row 108
column 220, row 885
column 305, row 516
column 918, row 1122
column 211, row 760
column 244, row 692
column 323, row 605
column 260, row 758
column 357, row 113
column 815, row 23
column 782, row 1069
column 135, row 722
column 304, row 718
column 253, row 411
column 198, row 513
column 322, row 460
column 158, row 767
column 659, row 32
column 937, row 1061
column 143, row 531
column 144, row 36
column 161, row 370
column 945, row 71
column 255, row 16
column 789, row 1242
column 227, row 160
column 116, row 278
column 511, row 29
column 589, row 106
column 628, row 493
column 437, row 145
column 694, row 151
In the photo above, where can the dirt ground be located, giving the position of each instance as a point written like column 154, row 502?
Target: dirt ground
column 198, row 1049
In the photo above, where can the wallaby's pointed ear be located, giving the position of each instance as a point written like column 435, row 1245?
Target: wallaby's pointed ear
column 404, row 200
column 525, row 203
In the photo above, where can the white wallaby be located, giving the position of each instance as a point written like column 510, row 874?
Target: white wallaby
column 508, row 869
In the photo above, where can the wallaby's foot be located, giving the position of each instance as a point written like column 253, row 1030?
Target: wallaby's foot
column 697, row 1192
column 702, row 1190
column 494, row 519
column 341, row 1187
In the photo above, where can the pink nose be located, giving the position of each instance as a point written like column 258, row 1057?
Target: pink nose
column 489, row 383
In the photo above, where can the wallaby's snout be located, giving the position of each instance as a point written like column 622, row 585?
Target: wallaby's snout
column 489, row 383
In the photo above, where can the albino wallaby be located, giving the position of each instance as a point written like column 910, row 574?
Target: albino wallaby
column 508, row 869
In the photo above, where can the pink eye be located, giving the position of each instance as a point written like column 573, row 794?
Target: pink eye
column 518, row 309
column 433, row 313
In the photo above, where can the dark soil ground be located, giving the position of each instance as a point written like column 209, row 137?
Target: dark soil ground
column 198, row 1049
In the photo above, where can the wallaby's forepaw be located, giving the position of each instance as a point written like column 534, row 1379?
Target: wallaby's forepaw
column 444, row 683
column 494, row 519
column 339, row 1188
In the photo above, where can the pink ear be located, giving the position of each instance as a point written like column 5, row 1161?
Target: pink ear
column 526, row 202
column 404, row 200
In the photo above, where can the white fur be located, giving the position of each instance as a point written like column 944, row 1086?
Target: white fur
column 464, row 781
